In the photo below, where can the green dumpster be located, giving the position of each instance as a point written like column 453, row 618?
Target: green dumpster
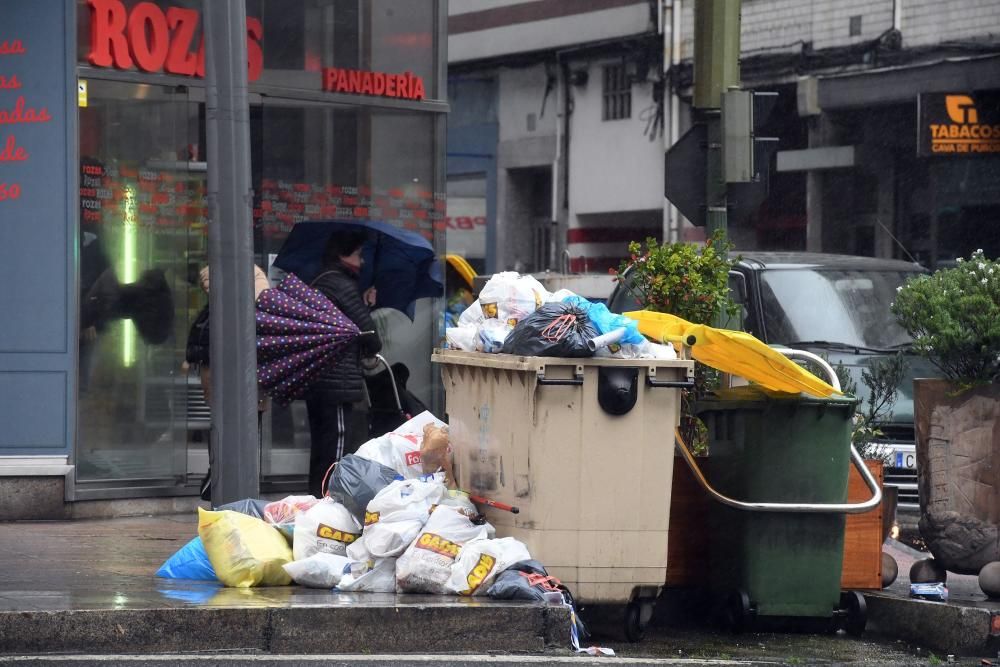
column 778, row 466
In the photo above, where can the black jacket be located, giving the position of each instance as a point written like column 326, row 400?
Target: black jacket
column 344, row 377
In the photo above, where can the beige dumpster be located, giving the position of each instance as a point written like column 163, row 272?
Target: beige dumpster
column 584, row 449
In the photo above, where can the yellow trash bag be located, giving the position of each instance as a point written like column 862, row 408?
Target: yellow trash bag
column 244, row 550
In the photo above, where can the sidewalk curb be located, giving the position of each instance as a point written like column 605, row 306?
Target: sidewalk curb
column 961, row 630
column 319, row 629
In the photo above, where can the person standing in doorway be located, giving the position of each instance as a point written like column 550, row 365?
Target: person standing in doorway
column 329, row 403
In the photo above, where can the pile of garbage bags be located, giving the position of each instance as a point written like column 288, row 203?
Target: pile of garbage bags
column 515, row 314
column 392, row 522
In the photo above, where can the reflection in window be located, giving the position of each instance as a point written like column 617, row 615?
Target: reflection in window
column 142, row 220
column 847, row 306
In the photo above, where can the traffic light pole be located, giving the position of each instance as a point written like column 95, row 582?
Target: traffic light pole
column 716, row 70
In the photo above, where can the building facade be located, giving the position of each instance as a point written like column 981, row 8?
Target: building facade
column 103, row 216
column 585, row 97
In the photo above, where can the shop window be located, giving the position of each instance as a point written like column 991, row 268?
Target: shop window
column 142, row 227
column 323, row 162
column 389, row 36
column 617, row 93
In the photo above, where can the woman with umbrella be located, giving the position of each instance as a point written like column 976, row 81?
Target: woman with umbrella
column 341, row 383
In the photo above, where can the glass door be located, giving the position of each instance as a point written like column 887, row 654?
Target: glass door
column 142, row 231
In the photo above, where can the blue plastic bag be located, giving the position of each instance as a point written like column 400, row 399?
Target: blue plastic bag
column 606, row 321
column 190, row 562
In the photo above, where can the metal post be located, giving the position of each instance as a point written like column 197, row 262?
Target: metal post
column 234, row 442
column 716, row 69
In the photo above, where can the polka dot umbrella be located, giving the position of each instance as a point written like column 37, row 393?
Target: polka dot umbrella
column 299, row 333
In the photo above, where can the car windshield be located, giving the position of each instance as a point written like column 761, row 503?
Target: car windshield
column 850, row 307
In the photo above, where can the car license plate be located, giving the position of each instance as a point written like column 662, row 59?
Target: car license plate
column 906, row 459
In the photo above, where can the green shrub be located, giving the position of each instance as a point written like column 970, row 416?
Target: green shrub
column 682, row 279
column 953, row 316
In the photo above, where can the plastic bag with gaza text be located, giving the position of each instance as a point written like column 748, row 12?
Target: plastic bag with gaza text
column 398, row 512
column 426, row 565
column 481, row 561
column 326, row 527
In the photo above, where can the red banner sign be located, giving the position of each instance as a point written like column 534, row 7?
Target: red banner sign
column 154, row 40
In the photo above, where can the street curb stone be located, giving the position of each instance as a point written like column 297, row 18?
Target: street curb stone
column 378, row 629
column 961, row 630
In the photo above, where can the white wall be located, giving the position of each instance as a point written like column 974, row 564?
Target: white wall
column 613, row 165
column 521, row 93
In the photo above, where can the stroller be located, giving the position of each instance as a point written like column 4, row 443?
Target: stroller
column 390, row 404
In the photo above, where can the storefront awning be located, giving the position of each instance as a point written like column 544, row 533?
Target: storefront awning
column 902, row 84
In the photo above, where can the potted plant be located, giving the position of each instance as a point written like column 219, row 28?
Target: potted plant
column 953, row 316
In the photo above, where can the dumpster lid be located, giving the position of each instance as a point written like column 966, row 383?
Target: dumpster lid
column 734, row 352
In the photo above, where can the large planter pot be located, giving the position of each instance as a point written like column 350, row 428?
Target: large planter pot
column 958, row 473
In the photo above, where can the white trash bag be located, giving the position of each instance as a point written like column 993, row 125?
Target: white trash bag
column 400, row 449
column 510, row 297
column 378, row 576
column 426, row 565
column 321, row 570
column 398, row 512
column 326, row 527
column 481, row 561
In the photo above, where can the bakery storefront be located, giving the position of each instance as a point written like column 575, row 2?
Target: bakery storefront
column 347, row 119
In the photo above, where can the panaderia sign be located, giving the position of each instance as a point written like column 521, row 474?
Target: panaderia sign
column 958, row 124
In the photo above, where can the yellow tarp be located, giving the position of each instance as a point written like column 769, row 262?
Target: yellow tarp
column 734, row 352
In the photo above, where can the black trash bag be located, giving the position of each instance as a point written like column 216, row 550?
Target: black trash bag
column 355, row 481
column 528, row 580
column 249, row 506
column 554, row 330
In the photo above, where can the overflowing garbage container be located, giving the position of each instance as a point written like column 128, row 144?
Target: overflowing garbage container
column 778, row 466
column 581, row 449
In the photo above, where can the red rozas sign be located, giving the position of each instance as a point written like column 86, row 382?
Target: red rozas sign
column 155, row 40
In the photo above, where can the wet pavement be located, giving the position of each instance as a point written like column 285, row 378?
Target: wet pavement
column 64, row 581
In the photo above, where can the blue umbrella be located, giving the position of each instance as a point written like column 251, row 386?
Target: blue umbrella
column 401, row 264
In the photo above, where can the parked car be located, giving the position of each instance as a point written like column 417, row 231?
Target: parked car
column 836, row 306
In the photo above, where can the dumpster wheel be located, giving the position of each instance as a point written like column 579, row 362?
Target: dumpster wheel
column 637, row 615
column 737, row 614
column 856, row 619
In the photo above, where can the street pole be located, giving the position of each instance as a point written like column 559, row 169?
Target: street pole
column 716, row 70
column 235, row 442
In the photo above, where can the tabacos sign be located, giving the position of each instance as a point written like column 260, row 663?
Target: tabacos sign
column 959, row 124
column 152, row 39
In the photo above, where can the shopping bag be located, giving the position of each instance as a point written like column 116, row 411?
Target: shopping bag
column 481, row 561
column 397, row 513
column 426, row 565
column 326, row 527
